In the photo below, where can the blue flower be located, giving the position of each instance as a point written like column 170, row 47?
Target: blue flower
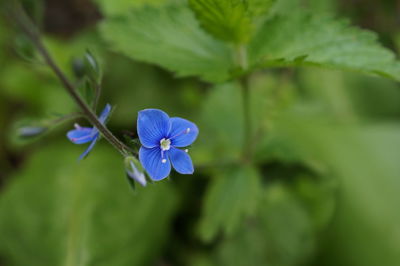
column 81, row 135
column 161, row 136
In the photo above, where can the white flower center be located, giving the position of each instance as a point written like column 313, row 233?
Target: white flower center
column 165, row 144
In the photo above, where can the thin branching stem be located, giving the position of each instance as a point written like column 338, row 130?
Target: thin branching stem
column 30, row 30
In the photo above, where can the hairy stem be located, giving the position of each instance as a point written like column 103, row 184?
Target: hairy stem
column 27, row 26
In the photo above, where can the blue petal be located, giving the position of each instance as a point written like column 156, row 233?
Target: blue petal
column 181, row 161
column 81, row 135
column 86, row 152
column 103, row 117
column 152, row 126
column 152, row 162
column 104, row 114
column 183, row 132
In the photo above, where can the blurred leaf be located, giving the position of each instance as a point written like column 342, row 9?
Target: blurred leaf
column 305, row 39
column 316, row 6
column 365, row 158
column 221, row 125
column 118, row 7
column 318, row 197
column 221, row 122
column 81, row 213
column 19, row 82
column 259, row 7
column 24, row 48
column 281, row 234
column 287, row 227
column 227, row 20
column 232, row 195
column 169, row 37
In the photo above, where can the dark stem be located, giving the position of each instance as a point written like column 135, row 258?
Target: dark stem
column 27, row 26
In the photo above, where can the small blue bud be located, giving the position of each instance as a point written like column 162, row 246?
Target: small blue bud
column 31, row 131
column 135, row 170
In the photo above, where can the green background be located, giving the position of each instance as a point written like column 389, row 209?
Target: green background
column 321, row 189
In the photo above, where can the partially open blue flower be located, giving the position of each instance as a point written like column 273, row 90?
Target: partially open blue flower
column 82, row 135
column 161, row 136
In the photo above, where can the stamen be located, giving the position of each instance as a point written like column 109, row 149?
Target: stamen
column 77, row 126
column 186, row 131
column 164, row 160
column 186, row 150
column 165, row 144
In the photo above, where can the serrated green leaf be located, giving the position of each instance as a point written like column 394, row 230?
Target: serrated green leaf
column 305, row 39
column 81, row 213
column 227, row 20
column 231, row 196
column 170, row 37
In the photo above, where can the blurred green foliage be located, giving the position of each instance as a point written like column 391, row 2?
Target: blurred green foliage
column 82, row 213
column 321, row 187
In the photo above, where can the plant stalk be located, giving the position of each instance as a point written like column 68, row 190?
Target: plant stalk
column 242, row 61
column 27, row 26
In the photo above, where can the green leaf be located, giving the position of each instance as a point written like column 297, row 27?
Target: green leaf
column 281, row 234
column 259, row 7
column 227, row 20
column 118, row 7
column 305, row 39
column 169, row 37
column 318, row 197
column 365, row 160
column 232, row 195
column 221, row 118
column 81, row 213
column 287, row 228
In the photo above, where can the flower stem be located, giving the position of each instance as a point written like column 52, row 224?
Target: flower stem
column 246, row 118
column 29, row 29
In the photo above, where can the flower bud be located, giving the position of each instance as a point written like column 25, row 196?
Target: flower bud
column 134, row 170
column 30, row 131
column 92, row 67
